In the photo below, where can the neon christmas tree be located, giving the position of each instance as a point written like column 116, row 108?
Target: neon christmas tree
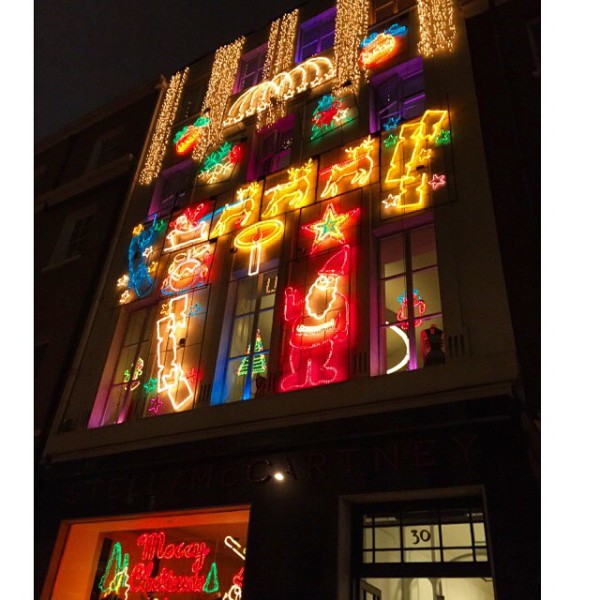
column 259, row 362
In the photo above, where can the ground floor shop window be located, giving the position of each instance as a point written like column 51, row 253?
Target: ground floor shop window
column 183, row 556
column 432, row 550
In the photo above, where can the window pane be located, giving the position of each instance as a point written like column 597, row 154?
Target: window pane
column 458, row 555
column 422, row 556
column 387, row 537
column 458, row 534
column 265, row 322
column 392, row 256
column 392, row 290
column 426, row 282
column 368, row 538
column 421, row 536
column 246, row 296
column 431, row 343
column 479, row 533
column 422, row 246
column 387, row 556
column 240, row 336
column 234, row 383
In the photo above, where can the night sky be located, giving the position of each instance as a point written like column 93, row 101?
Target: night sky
column 88, row 52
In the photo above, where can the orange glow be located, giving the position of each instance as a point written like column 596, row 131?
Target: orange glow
column 255, row 237
column 382, row 48
column 83, row 540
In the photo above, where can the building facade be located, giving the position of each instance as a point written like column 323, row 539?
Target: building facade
column 82, row 176
column 297, row 375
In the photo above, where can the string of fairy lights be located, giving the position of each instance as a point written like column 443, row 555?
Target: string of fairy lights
column 437, row 34
column 351, row 26
column 220, row 86
column 279, row 58
column 162, row 131
column 436, row 26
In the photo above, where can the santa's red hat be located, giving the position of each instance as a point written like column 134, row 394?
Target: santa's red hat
column 336, row 265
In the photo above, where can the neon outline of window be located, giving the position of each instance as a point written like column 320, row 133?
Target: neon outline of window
column 294, row 193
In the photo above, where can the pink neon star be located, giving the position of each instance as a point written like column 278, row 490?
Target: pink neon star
column 437, row 181
column 155, row 405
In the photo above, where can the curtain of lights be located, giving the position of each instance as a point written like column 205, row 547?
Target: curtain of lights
column 220, row 86
column 436, row 26
column 280, row 57
column 162, row 131
column 351, row 25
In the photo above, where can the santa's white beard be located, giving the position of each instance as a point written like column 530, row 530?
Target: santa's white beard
column 319, row 298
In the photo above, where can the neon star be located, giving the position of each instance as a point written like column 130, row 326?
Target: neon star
column 164, row 310
column 138, row 229
column 147, row 251
column 150, row 385
column 443, row 138
column 123, row 281
column 391, row 201
column 125, row 296
column 155, row 405
column 437, row 181
column 159, row 225
column 195, row 310
column 424, row 154
column 329, row 227
column 391, row 123
column 152, row 266
column 390, row 140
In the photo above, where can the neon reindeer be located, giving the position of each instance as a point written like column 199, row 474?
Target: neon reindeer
column 238, row 214
column 293, row 193
column 357, row 168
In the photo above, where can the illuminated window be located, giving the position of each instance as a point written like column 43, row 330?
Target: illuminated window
column 410, row 316
column 152, row 556
column 398, row 94
column 251, row 68
column 316, row 35
column 273, row 148
column 434, row 550
column 384, row 9
column 158, row 368
column 250, row 337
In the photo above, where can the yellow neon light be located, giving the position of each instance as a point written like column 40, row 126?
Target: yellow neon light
column 256, row 236
column 137, row 229
column 239, row 213
column 294, row 193
column 282, row 87
column 171, row 377
column 186, row 232
column 357, row 168
column 123, row 281
column 412, row 138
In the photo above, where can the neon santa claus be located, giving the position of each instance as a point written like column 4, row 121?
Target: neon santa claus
column 318, row 326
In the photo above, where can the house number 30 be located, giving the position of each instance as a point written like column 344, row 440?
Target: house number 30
column 420, row 536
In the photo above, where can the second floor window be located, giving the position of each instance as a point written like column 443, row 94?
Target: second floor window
column 251, row 69
column 316, row 35
column 384, row 9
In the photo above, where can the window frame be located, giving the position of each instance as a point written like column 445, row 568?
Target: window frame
column 325, row 19
column 406, row 569
column 247, row 58
column 402, row 73
column 281, row 128
column 407, row 274
column 399, row 7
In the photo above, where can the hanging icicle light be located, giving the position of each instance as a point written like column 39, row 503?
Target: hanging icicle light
column 162, row 131
column 351, row 25
column 220, row 87
column 280, row 57
column 436, row 26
